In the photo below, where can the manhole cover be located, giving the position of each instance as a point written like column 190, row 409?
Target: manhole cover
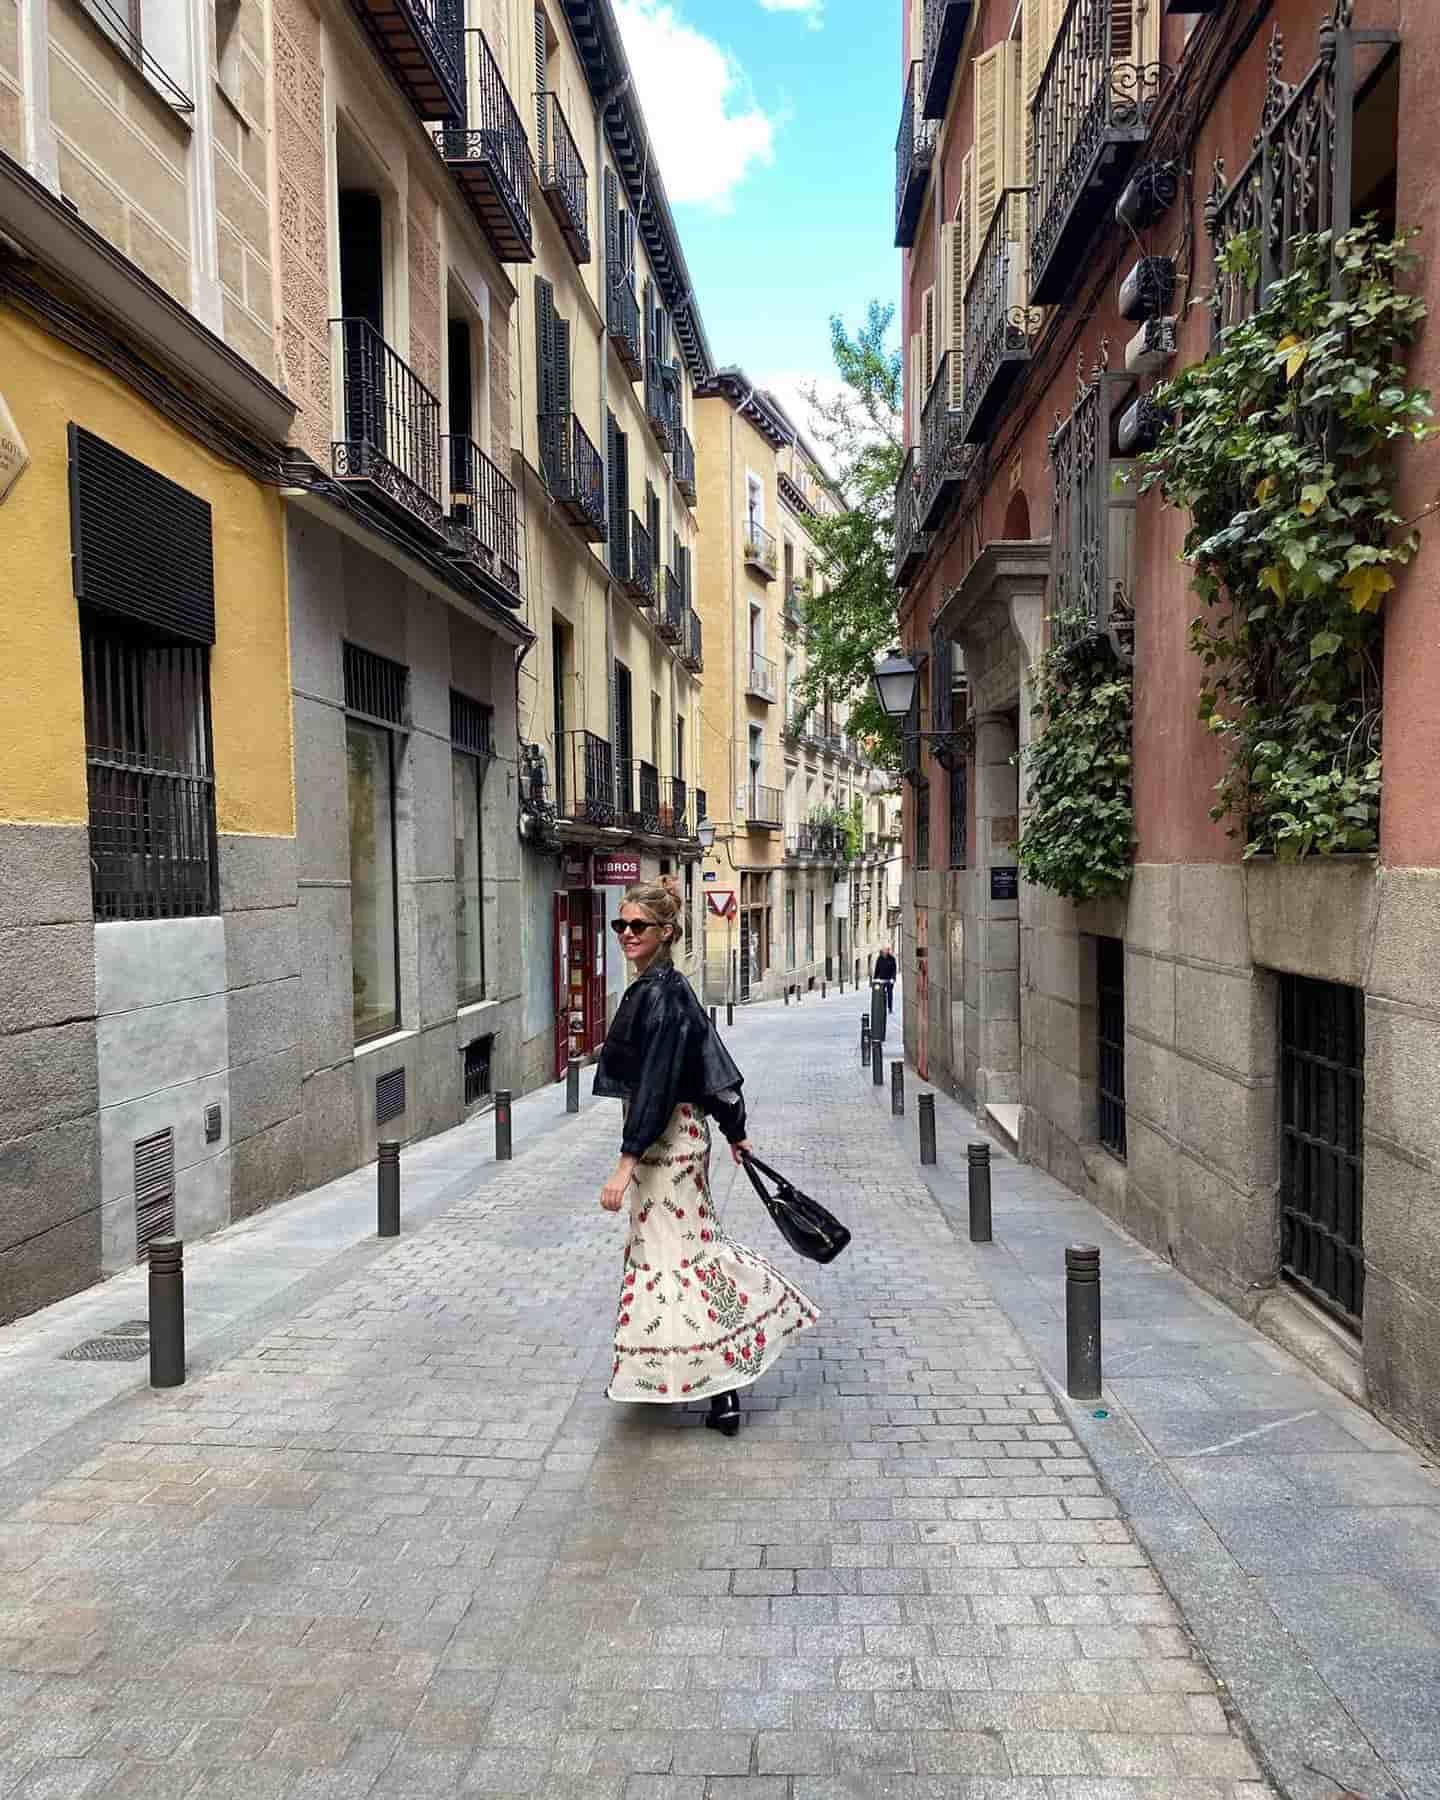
column 128, row 1328
column 108, row 1349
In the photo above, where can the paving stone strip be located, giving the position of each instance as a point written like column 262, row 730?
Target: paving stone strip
column 403, row 1546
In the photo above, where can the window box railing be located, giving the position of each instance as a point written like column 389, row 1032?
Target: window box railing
column 484, row 517
column 945, row 22
column 637, row 577
column 800, row 841
column 1092, row 530
column 489, row 157
column 914, row 155
column 945, row 457
column 683, row 462
column 574, row 472
column 764, row 806
column 911, row 543
column 391, row 426
column 422, row 44
column 678, row 822
column 622, row 321
column 661, row 396
column 1090, row 116
column 671, row 622
column 761, row 553
column 585, row 787
column 638, row 792
column 760, row 682
column 692, row 644
column 999, row 320
column 563, row 180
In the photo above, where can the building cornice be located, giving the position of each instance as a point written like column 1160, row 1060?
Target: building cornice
column 752, row 403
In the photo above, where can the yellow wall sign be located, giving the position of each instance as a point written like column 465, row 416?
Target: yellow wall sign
column 13, row 455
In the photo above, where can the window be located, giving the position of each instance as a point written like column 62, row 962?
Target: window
column 552, row 351
column 470, row 755
column 809, row 924
column 655, row 729
column 756, row 753
column 1110, row 1036
column 754, row 499
column 959, row 810
column 479, row 1053
column 228, row 49
column 789, row 928
column 375, row 699
column 619, row 474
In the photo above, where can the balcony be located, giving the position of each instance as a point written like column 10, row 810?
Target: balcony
column 692, row 650
column 999, row 321
column 1092, row 533
column 764, row 807
column 911, row 543
column 639, row 797
column 797, row 724
column 637, row 577
column 391, row 424
column 490, row 159
column 585, row 790
column 572, row 467
column 914, row 155
column 622, row 321
column 945, row 23
column 671, row 623
column 762, row 557
column 662, row 393
column 795, row 603
column 683, row 462
column 800, row 841
column 945, row 458
column 484, row 518
column 563, row 180
column 676, row 819
column 421, row 43
column 1091, row 114
column 760, row 683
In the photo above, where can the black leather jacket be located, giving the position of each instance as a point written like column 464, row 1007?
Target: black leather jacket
column 662, row 1050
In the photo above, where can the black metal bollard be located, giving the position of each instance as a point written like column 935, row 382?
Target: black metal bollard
column 787, row 996
column 925, row 1105
column 502, row 1125
column 897, row 1087
column 729, row 1012
column 1082, row 1321
column 978, row 1155
column 877, row 1062
column 877, row 1011
column 167, row 1312
column 712, row 1018
column 572, row 1085
column 387, row 1189
column 799, row 993
column 842, row 978
column 824, row 990
column 865, row 1038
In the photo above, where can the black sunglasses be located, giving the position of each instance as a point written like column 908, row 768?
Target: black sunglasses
column 633, row 926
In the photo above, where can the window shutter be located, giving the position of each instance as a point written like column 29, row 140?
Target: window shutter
column 650, row 349
column 562, row 366
column 992, row 81
column 952, row 249
column 1122, row 30
column 931, row 357
column 614, row 267
column 619, row 460
column 545, row 346
column 917, row 398
column 1038, row 25
column 541, row 82
column 652, row 520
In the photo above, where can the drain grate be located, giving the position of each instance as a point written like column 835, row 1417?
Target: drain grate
column 108, row 1349
column 128, row 1328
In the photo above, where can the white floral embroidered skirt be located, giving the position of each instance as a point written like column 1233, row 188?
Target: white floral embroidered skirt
column 698, row 1312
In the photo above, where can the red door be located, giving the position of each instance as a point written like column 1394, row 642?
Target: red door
column 562, row 983
column 595, row 1011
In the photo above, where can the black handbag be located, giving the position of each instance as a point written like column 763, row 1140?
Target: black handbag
column 804, row 1223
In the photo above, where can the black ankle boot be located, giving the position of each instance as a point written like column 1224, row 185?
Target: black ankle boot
column 724, row 1414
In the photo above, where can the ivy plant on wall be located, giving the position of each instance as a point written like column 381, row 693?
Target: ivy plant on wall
column 1279, row 444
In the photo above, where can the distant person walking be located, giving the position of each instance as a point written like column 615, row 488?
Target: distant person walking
column 885, row 973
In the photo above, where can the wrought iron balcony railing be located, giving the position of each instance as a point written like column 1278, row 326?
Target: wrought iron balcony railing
column 661, row 395
column 638, row 574
column 945, row 458
column 622, row 321
column 764, row 806
column 945, row 22
column 421, row 43
column 671, row 623
column 999, row 321
column 638, row 795
column 914, row 155
column 761, row 553
column 1093, row 523
column 760, row 682
column 490, row 159
column 911, row 543
column 678, row 822
column 692, row 642
column 572, row 467
column 484, row 517
column 1090, row 115
column 563, row 179
column 683, row 462
column 800, row 841
column 391, row 427
column 585, row 787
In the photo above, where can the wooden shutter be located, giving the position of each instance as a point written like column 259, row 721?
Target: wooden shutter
column 619, row 467
column 1038, row 25
column 952, row 248
column 614, row 265
column 988, row 167
column 541, row 82
column 932, row 352
column 545, row 346
column 650, row 349
column 917, row 397
column 652, row 525
column 562, row 367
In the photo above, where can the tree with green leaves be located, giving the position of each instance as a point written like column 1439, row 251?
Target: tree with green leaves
column 846, row 629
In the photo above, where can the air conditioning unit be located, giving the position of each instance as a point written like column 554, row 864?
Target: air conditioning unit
column 1148, row 289
column 1151, row 347
column 1148, row 195
column 1140, row 426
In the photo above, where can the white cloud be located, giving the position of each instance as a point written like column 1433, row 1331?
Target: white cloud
column 708, row 130
column 811, row 10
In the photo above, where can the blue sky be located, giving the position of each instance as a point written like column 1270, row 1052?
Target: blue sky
column 774, row 123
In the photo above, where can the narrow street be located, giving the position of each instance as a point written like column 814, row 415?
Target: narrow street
column 394, row 1541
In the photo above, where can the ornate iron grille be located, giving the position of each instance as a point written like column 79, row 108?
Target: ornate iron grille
column 479, row 1053
column 1322, row 1101
column 959, row 815
column 421, row 42
column 490, row 157
column 564, row 181
column 1092, row 526
column 914, row 155
column 760, row 551
column 1297, row 179
column 922, row 825
column 649, row 790
column 945, row 457
column 374, row 686
column 999, row 321
column 692, row 645
column 471, row 725
column 660, row 397
column 1110, row 1035
column 911, row 543
column 1091, row 112
column 392, row 425
column 484, row 512
column 683, row 461
column 573, row 468
column 589, row 788
column 640, row 575
column 622, row 321
column 672, row 619
column 149, row 775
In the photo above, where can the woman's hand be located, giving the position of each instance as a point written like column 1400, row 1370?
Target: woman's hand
column 612, row 1195
column 741, row 1150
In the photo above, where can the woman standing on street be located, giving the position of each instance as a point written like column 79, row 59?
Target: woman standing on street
column 699, row 1314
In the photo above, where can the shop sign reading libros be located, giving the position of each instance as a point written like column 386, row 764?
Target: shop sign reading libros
column 616, row 869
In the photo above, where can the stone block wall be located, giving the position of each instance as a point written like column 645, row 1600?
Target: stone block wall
column 12, row 135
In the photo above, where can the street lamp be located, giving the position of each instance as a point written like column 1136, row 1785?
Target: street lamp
column 705, row 831
column 894, row 682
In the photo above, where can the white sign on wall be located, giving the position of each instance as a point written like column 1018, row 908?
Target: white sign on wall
column 14, row 456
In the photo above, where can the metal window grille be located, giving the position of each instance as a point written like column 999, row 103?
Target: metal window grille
column 389, row 1096
column 149, row 775
column 471, row 725
column 374, row 686
column 959, row 815
column 478, row 1054
column 1110, row 986
column 1322, row 1098
column 1093, row 519
column 213, row 1124
column 922, row 825
column 154, row 1190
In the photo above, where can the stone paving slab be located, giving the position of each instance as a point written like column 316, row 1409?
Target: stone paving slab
column 398, row 1544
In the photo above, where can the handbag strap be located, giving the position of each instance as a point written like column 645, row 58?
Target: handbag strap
column 752, row 1163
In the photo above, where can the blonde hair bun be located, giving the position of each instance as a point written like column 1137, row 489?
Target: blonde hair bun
column 663, row 900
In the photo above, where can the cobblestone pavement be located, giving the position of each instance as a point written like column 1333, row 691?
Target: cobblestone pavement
column 402, row 1545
